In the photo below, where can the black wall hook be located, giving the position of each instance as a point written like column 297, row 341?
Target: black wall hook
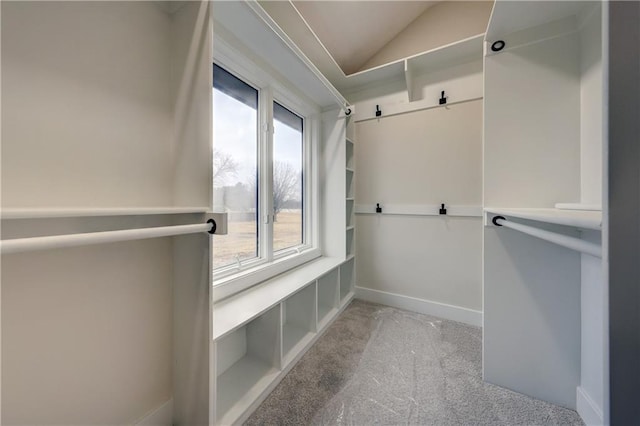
column 378, row 112
column 347, row 111
column 442, row 209
column 378, row 208
column 495, row 220
column 443, row 98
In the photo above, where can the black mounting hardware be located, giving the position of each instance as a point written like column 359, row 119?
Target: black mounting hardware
column 378, row 112
column 213, row 226
column 442, row 209
column 378, row 208
column 495, row 220
column 443, row 98
column 498, row 45
column 347, row 111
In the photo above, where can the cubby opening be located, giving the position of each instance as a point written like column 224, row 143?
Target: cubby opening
column 349, row 154
column 346, row 278
column 349, row 188
column 298, row 321
column 247, row 360
column 350, row 213
column 350, row 242
column 327, row 295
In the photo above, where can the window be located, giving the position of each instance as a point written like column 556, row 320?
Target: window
column 261, row 177
column 235, row 168
column 288, row 160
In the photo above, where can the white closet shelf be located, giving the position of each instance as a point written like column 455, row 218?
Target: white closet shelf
column 37, row 213
column 509, row 17
column 577, row 218
column 458, row 52
column 231, row 313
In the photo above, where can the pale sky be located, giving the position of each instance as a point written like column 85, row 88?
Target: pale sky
column 235, row 130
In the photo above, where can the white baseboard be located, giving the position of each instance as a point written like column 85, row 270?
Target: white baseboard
column 442, row 310
column 587, row 408
column 161, row 416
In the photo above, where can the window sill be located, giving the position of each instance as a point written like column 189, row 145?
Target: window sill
column 230, row 285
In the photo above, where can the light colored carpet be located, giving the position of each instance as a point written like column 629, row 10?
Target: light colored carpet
column 381, row 365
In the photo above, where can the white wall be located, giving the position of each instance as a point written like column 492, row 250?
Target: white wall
column 591, row 87
column 421, row 157
column 532, row 113
column 86, row 332
column 72, row 110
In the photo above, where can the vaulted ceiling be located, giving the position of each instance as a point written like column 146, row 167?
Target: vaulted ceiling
column 345, row 38
column 354, row 31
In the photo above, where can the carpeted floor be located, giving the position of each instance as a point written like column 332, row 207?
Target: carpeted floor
column 381, row 365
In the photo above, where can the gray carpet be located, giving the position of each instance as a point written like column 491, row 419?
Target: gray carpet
column 381, row 365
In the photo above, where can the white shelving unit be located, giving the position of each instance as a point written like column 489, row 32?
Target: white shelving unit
column 261, row 333
column 543, row 145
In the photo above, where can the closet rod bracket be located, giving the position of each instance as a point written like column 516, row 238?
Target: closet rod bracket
column 496, row 218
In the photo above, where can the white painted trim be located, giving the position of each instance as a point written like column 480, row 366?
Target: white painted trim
column 161, row 416
column 262, row 14
column 442, row 310
column 588, row 410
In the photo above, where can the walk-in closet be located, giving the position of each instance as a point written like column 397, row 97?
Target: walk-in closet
column 310, row 212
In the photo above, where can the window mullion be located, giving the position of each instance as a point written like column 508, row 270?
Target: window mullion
column 266, row 162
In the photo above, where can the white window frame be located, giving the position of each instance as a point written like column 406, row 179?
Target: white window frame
column 235, row 278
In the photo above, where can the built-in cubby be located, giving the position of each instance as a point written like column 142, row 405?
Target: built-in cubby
column 350, row 241
column 347, row 275
column 350, row 157
column 260, row 334
column 350, row 212
column 247, row 360
column 298, row 321
column 327, row 295
column 349, row 183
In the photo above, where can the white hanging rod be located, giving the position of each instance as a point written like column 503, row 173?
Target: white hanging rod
column 19, row 245
column 562, row 240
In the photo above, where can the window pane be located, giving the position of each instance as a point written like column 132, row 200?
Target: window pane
column 287, row 178
column 235, row 167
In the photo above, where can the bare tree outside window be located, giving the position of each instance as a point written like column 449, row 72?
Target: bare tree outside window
column 286, row 186
column 224, row 167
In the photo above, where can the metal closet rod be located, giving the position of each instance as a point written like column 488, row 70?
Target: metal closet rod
column 19, row 245
column 559, row 239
